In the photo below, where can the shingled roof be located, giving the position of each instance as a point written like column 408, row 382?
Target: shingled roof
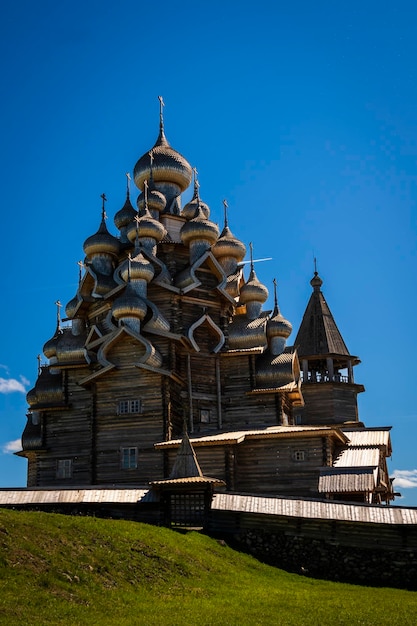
column 318, row 333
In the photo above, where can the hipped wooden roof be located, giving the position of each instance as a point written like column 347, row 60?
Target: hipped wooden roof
column 186, row 469
column 186, row 464
column 238, row 503
column 238, row 437
column 318, row 333
column 348, row 479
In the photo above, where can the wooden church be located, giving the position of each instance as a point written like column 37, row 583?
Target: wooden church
column 166, row 334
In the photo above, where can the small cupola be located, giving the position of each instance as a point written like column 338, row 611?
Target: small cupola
column 125, row 215
column 278, row 329
column 253, row 293
column 102, row 248
column 228, row 250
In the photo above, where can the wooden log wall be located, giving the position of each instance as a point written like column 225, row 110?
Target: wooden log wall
column 67, row 435
column 273, row 466
column 140, row 430
column 327, row 403
column 256, row 411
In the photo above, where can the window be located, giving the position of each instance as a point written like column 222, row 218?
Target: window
column 129, row 406
column 299, row 455
column 187, row 509
column 205, row 416
column 64, row 468
column 298, row 420
column 129, row 458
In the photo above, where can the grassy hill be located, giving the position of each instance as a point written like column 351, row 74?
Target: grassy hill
column 56, row 569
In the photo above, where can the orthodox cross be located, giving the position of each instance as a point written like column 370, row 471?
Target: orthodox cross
column 128, row 179
column 103, row 209
column 275, row 293
column 39, row 363
column 151, row 157
column 226, row 206
column 81, row 266
column 315, row 266
column 251, row 256
column 58, row 314
column 137, row 218
column 145, row 193
column 129, row 266
column 161, row 113
column 196, row 184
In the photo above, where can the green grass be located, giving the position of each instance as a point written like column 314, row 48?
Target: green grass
column 57, row 569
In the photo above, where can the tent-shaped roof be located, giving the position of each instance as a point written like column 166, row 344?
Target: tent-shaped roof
column 318, row 333
column 186, row 469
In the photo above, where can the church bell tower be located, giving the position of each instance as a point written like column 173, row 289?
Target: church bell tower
column 328, row 385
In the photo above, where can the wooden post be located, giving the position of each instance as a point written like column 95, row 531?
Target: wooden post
column 350, row 372
column 219, row 394
column 330, row 370
column 305, row 370
column 93, row 434
column 190, row 395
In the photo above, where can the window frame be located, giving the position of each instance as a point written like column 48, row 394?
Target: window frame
column 204, row 416
column 129, row 406
column 64, row 469
column 299, row 456
column 126, row 457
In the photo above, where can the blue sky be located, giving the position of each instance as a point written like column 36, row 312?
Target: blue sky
column 301, row 114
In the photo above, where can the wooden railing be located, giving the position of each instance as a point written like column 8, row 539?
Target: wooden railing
column 324, row 378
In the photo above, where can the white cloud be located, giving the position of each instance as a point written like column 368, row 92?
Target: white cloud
column 12, row 446
column 9, row 385
column 405, row 479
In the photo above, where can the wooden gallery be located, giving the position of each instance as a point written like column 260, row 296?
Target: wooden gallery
column 167, row 382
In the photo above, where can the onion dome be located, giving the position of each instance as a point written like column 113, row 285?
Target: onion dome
column 199, row 228
column 245, row 333
column 146, row 227
column 253, row 290
column 168, row 165
column 71, row 307
column 47, row 390
column 228, row 246
column 129, row 305
column 316, row 282
column 190, row 209
column 126, row 214
column 277, row 325
column 274, row 371
column 71, row 347
column 102, row 242
column 140, row 269
column 32, row 397
column 156, row 201
column 50, row 347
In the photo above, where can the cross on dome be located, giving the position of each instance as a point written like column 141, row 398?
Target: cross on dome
column 103, row 208
column 226, row 206
column 161, row 112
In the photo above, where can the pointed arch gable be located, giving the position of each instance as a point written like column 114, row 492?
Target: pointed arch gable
column 94, row 336
column 206, row 319
column 188, row 280
column 150, row 355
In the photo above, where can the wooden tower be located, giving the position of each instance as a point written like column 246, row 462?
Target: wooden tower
column 328, row 387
